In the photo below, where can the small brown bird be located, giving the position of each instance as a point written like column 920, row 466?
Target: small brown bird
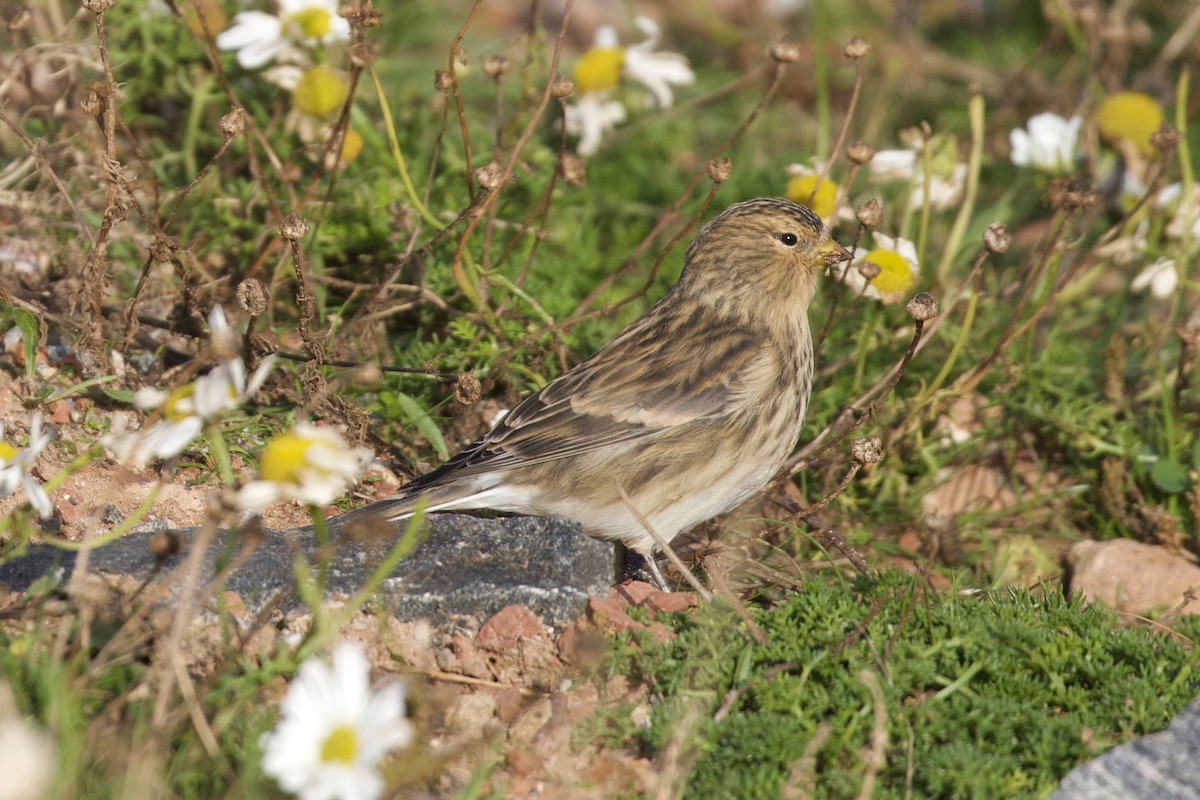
column 690, row 410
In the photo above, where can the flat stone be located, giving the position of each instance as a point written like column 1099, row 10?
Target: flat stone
column 1132, row 576
column 464, row 571
column 1162, row 766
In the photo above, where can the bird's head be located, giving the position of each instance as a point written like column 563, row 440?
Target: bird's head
column 766, row 253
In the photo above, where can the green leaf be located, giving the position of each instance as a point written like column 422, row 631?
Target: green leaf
column 424, row 423
column 1196, row 454
column 124, row 396
column 30, row 333
column 1170, row 476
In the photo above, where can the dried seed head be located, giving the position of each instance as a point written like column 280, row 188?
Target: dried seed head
column 562, row 87
column 870, row 213
column 293, row 228
column 232, row 124
column 857, row 48
column 922, row 307
column 996, row 238
column 867, row 450
column 467, row 389
column 252, row 296
column 573, row 169
column 496, row 66
column 443, row 81
column 163, row 248
column 92, row 105
column 489, row 176
column 719, row 169
column 98, row 6
column 1072, row 194
column 785, row 52
column 1166, row 139
column 860, row 153
column 869, row 270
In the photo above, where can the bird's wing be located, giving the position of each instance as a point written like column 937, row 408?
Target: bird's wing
column 640, row 385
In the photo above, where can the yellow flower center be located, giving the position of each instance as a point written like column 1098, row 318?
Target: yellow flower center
column 352, row 145
column 7, row 452
column 282, row 458
column 341, row 745
column 179, row 404
column 895, row 273
column 599, row 69
column 310, row 23
column 320, row 92
column 1131, row 116
column 823, row 201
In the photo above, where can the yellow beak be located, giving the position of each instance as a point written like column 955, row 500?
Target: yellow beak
column 833, row 253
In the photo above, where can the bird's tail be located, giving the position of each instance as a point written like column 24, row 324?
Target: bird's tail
column 404, row 505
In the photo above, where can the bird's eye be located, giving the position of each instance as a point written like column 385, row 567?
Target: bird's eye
column 789, row 239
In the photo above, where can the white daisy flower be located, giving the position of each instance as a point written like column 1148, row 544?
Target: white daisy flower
column 335, row 729
column 260, row 38
column 598, row 74
column 1047, row 143
column 947, row 178
column 189, row 408
column 1160, row 278
column 590, row 117
column 28, row 756
column 307, row 464
column 1185, row 216
column 15, row 465
column 898, row 270
column 657, row 71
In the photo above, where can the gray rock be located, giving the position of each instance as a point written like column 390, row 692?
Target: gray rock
column 465, row 570
column 1162, row 765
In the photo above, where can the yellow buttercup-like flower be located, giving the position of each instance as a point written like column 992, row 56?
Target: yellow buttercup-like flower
column 599, row 69
column 320, row 92
column 1129, row 116
column 821, row 199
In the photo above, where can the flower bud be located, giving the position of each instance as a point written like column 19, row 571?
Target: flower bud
column 870, row 213
column 232, row 124
column 293, row 228
column 785, row 52
column 857, row 48
column 922, row 307
column 719, row 169
column 996, row 238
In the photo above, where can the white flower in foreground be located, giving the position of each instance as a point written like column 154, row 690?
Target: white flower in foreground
column 590, row 117
column 189, row 408
column 947, row 175
column 896, row 262
column 27, row 759
column 335, row 729
column 1185, row 212
column 15, row 465
column 657, row 71
column 1160, row 278
column 893, row 165
column 260, row 38
column 598, row 74
column 1047, row 142
column 307, row 464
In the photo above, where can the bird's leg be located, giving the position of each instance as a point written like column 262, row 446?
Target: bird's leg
column 630, row 564
column 656, row 573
